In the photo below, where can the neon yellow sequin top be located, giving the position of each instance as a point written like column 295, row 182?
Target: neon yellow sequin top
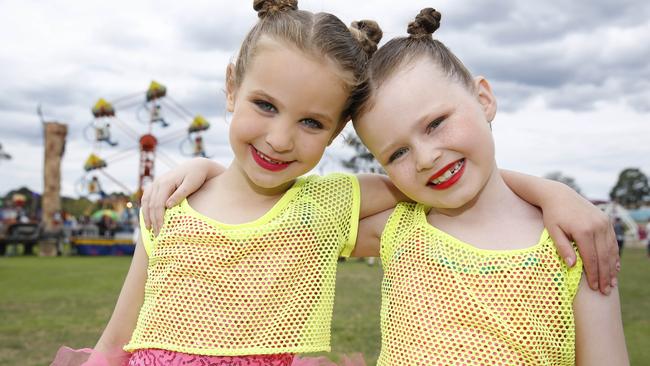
column 445, row 302
column 256, row 288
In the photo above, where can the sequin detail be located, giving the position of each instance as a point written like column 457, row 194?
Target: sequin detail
column 159, row 357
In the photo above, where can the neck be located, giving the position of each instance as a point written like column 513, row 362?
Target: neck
column 235, row 180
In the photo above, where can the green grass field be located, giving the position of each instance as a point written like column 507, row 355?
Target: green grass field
column 46, row 302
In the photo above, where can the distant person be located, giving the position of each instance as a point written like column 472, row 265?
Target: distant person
column 619, row 230
column 647, row 230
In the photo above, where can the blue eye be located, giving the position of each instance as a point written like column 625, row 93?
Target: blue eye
column 312, row 123
column 265, row 106
column 397, row 154
column 435, row 124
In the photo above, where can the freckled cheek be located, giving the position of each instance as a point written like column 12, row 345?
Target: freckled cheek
column 402, row 175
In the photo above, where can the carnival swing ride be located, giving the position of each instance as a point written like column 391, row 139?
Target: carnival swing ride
column 155, row 112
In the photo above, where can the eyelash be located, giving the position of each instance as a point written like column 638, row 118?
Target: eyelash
column 312, row 123
column 435, row 124
column 270, row 108
column 431, row 126
column 265, row 106
column 397, row 154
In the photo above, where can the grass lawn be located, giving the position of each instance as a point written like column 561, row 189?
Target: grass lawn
column 46, row 302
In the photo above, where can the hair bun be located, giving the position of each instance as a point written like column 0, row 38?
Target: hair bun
column 425, row 23
column 368, row 33
column 265, row 8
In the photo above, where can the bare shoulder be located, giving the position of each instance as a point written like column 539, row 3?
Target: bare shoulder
column 599, row 328
column 209, row 189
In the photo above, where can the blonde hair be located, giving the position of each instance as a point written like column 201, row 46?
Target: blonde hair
column 320, row 34
column 403, row 50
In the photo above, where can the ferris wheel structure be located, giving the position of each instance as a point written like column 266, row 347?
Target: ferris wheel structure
column 156, row 118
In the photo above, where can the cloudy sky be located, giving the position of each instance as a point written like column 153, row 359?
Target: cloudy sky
column 572, row 78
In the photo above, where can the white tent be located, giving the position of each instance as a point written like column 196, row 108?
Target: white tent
column 614, row 210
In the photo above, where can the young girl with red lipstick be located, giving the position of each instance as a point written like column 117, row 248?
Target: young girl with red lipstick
column 242, row 272
column 471, row 276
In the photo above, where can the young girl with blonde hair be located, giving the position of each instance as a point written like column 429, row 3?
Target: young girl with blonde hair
column 243, row 271
column 471, row 276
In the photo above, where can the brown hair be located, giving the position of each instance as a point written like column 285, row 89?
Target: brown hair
column 320, row 34
column 403, row 50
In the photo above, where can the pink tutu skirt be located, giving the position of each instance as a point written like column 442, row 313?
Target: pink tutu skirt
column 156, row 357
column 353, row 360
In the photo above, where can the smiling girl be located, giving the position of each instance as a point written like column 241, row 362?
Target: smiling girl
column 471, row 276
column 242, row 272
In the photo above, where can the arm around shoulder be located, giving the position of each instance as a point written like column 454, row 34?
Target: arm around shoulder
column 599, row 328
column 570, row 217
column 378, row 194
column 369, row 234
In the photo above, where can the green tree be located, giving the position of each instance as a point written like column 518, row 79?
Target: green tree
column 78, row 206
column 632, row 189
column 362, row 161
column 558, row 176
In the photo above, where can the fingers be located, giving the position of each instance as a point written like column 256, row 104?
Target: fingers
column 563, row 245
column 586, row 244
column 605, row 267
column 609, row 239
column 144, row 204
column 183, row 190
column 157, row 209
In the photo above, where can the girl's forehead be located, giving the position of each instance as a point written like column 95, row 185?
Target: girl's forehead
column 295, row 82
column 310, row 54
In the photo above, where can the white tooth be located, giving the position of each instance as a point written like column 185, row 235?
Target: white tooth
column 446, row 176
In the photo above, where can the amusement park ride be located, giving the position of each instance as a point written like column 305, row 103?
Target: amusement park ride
column 154, row 111
column 155, row 107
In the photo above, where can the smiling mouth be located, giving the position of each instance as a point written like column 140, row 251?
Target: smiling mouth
column 267, row 162
column 447, row 176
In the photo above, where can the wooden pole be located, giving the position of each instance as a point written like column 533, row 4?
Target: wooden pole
column 55, row 135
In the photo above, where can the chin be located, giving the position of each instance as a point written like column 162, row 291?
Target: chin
column 270, row 180
column 268, row 183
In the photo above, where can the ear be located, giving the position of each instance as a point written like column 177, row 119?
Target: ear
column 230, row 87
column 485, row 97
column 341, row 125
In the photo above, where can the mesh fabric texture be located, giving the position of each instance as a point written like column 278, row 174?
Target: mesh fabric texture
column 445, row 302
column 261, row 287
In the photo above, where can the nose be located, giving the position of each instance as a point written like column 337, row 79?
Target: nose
column 280, row 136
column 426, row 156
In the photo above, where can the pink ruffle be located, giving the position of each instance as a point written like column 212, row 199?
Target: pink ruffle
column 67, row 356
column 160, row 357
column 352, row 360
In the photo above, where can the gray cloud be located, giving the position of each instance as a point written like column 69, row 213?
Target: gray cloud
column 574, row 67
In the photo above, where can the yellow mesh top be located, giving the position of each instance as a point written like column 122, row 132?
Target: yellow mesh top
column 261, row 287
column 445, row 302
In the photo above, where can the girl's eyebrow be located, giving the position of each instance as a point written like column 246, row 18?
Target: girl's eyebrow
column 387, row 150
column 262, row 94
column 322, row 117
column 433, row 114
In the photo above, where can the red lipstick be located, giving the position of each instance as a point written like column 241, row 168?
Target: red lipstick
column 274, row 167
column 452, row 180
